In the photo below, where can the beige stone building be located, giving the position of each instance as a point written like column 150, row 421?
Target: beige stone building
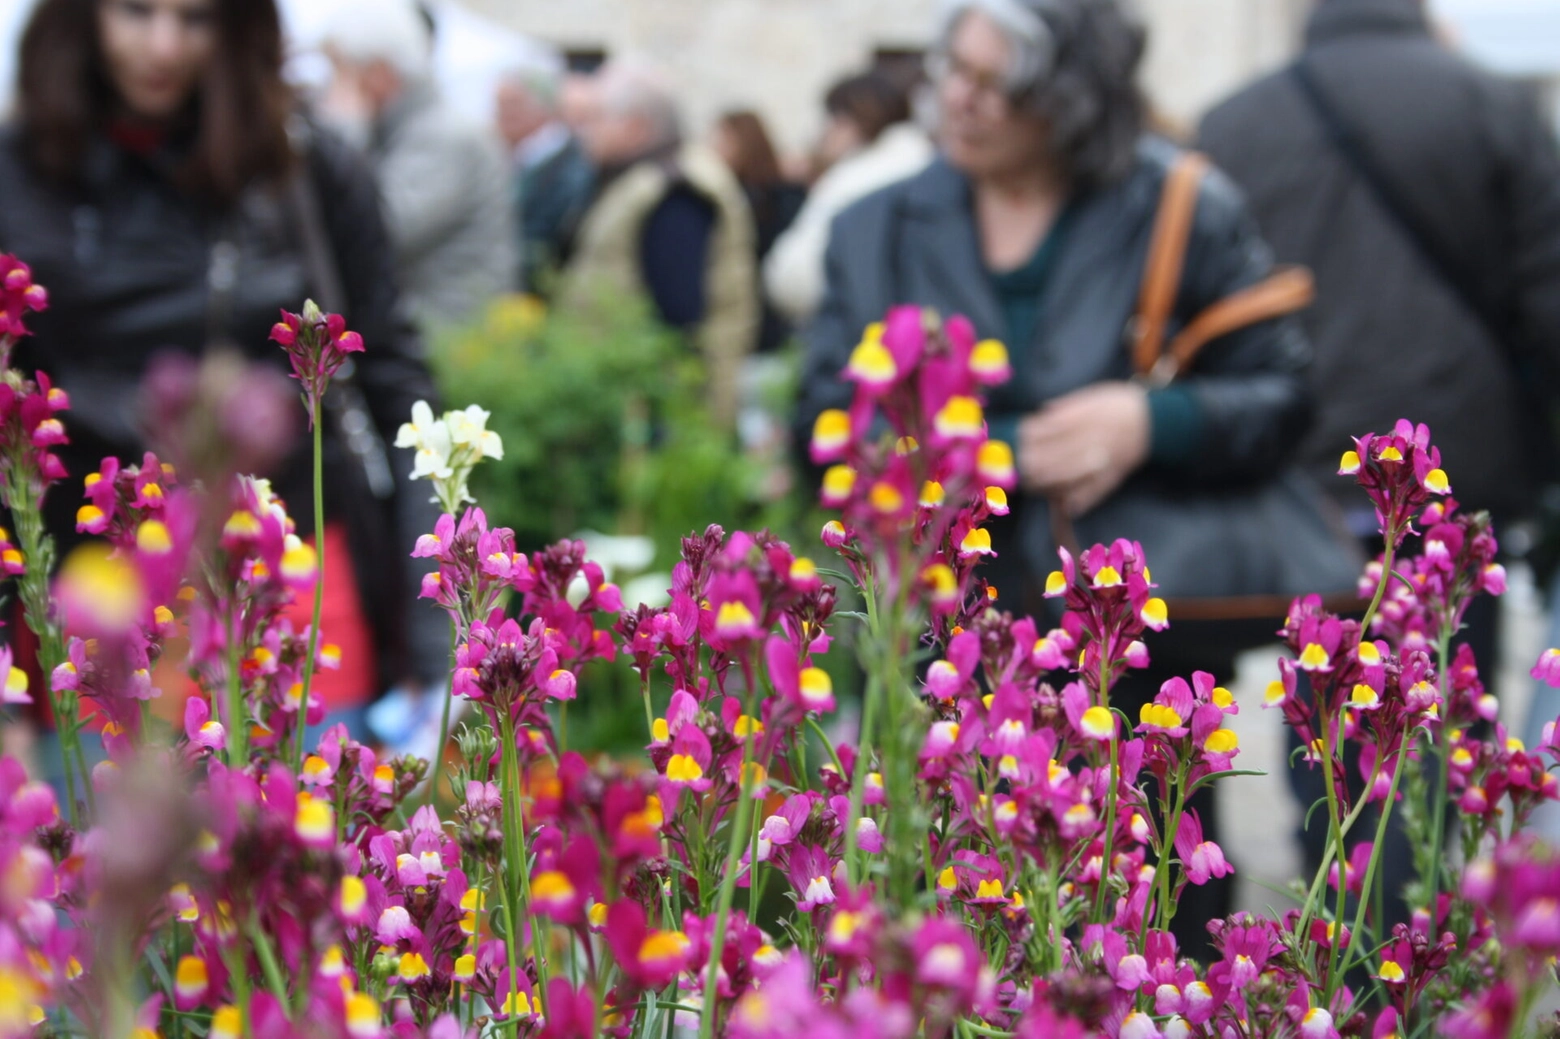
column 780, row 55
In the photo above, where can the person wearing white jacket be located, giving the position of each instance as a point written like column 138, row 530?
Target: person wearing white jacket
column 876, row 143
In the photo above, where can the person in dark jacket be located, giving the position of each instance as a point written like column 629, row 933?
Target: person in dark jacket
column 147, row 184
column 1035, row 224
column 1470, row 157
column 742, row 142
column 1465, row 161
column 553, row 178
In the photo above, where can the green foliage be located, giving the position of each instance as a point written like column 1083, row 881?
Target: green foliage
column 605, row 428
column 603, row 424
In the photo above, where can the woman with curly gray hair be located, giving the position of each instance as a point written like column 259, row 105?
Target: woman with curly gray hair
column 1035, row 224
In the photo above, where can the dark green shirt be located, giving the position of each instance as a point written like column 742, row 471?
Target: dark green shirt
column 1175, row 418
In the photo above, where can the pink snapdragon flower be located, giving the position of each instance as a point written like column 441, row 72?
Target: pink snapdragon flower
column 317, row 344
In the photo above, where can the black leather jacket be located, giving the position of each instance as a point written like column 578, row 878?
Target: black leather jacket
column 134, row 266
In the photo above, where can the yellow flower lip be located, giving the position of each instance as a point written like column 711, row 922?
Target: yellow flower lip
column 816, row 686
column 838, row 481
column 682, row 768
column 976, row 542
column 1098, row 723
column 1313, row 657
column 663, row 945
column 831, row 429
column 551, row 886
column 154, row 538
column 994, row 461
column 989, row 358
column 886, row 498
column 353, row 896
column 871, row 362
column 734, row 618
column 960, row 417
column 1221, row 741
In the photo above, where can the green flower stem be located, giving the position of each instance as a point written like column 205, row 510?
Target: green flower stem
column 444, row 722
column 1381, row 588
column 1167, row 844
column 644, row 693
column 37, row 548
column 268, row 964
column 905, row 812
column 728, row 881
column 1308, row 910
column 319, row 581
column 1335, row 824
column 870, row 697
column 238, row 723
column 1375, row 858
column 238, row 971
column 1110, row 832
column 812, row 723
column 1442, row 751
column 516, row 881
column 1110, row 793
column 753, row 885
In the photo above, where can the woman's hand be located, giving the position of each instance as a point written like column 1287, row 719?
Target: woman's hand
column 1079, row 448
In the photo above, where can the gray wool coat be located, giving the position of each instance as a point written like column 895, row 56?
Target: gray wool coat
column 448, row 207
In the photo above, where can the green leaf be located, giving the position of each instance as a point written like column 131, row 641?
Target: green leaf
column 1210, row 777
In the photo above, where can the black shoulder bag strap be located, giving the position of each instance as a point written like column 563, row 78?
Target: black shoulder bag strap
column 1447, row 267
column 345, row 400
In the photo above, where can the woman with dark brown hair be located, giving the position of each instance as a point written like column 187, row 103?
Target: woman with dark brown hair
column 163, row 186
column 744, row 145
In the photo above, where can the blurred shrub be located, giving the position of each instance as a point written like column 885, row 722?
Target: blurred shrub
column 603, row 426
column 605, row 429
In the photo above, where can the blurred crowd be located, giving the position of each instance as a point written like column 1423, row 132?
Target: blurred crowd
column 591, row 186
column 1170, row 386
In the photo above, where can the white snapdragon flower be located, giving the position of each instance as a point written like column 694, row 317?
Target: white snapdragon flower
column 447, row 449
column 469, row 429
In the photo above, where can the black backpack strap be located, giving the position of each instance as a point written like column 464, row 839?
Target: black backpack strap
column 344, row 402
column 1447, row 266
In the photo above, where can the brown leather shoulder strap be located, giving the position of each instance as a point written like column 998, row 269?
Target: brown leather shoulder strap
column 1166, row 258
column 1285, row 291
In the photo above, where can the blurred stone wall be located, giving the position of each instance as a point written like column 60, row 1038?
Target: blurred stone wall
column 780, row 55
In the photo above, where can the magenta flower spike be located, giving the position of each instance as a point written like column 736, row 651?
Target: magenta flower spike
column 317, row 344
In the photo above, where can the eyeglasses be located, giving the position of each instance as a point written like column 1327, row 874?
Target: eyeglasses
column 988, row 89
